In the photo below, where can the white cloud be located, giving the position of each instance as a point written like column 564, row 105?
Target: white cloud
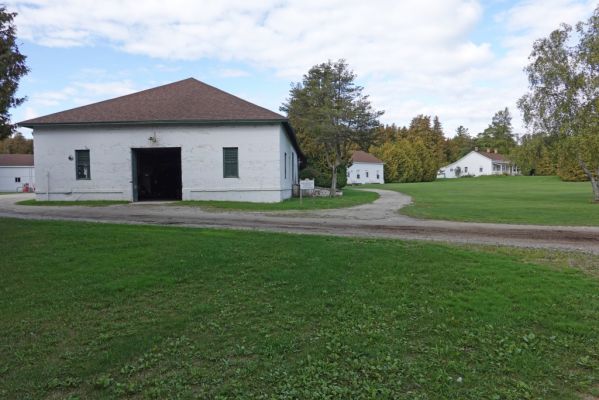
column 30, row 113
column 167, row 68
column 413, row 56
column 78, row 94
column 232, row 73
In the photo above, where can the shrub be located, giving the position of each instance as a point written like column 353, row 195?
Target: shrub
column 407, row 161
column 322, row 176
column 309, row 173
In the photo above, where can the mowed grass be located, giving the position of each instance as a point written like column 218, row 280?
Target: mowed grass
column 65, row 203
column 350, row 198
column 503, row 199
column 99, row 311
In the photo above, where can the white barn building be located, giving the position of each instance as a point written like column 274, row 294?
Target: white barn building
column 478, row 163
column 185, row 140
column 365, row 168
column 16, row 172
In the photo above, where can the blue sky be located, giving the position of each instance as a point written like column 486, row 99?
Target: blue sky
column 459, row 59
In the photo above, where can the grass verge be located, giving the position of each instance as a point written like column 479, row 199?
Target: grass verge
column 351, row 197
column 503, row 199
column 102, row 311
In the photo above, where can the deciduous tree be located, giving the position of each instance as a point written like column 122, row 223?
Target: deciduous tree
column 563, row 100
column 535, row 156
column 16, row 144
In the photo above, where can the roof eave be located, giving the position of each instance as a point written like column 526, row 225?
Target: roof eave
column 32, row 124
column 367, row 162
column 293, row 138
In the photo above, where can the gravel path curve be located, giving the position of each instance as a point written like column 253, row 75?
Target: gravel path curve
column 377, row 219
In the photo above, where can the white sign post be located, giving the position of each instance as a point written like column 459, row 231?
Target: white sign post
column 305, row 184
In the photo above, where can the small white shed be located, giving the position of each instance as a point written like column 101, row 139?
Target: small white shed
column 365, row 168
column 16, row 172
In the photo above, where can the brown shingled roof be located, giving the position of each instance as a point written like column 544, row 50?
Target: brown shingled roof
column 363, row 157
column 16, row 160
column 494, row 156
column 188, row 100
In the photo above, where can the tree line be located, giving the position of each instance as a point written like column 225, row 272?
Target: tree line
column 333, row 117
column 415, row 153
column 16, row 144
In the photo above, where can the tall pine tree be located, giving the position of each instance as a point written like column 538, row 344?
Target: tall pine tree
column 12, row 68
column 331, row 115
column 499, row 135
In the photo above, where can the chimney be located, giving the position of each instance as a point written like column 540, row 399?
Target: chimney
column 488, row 149
column 495, row 151
column 476, row 148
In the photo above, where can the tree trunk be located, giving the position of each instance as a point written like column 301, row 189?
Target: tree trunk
column 334, row 181
column 595, row 184
column 594, row 180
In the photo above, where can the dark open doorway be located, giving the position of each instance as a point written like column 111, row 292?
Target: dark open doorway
column 157, row 174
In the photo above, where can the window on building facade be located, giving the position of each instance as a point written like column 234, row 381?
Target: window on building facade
column 82, row 164
column 17, row 179
column 230, row 162
column 292, row 167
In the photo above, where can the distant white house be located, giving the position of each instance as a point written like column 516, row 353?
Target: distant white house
column 365, row 168
column 185, row 140
column 478, row 163
column 16, row 172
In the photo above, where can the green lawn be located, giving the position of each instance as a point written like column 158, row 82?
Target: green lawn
column 60, row 203
column 99, row 311
column 350, row 198
column 502, row 199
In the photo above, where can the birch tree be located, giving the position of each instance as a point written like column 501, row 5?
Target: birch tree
column 563, row 101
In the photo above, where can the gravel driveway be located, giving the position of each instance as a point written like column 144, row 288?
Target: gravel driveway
column 377, row 219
